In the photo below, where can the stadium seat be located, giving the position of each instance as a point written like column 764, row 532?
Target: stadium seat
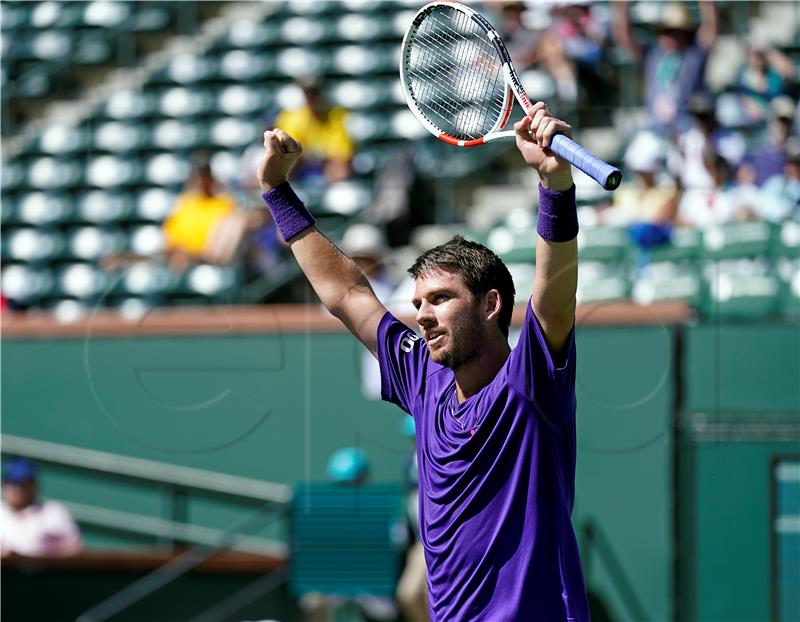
column 111, row 171
column 209, row 281
column 360, row 27
column 248, row 34
column 40, row 208
column 602, row 282
column 146, row 279
column 147, row 240
column 31, row 245
column 513, row 245
column 25, row 284
column 242, row 100
column 604, row 244
column 93, row 243
column 82, row 281
column 98, row 206
column 364, row 127
column 244, row 65
column 174, row 135
column 685, row 244
column 305, row 31
column 234, row 132
column 298, row 61
column 129, row 105
column 185, row 102
column 346, row 197
column 747, row 239
column 68, row 310
column 361, row 60
column 187, row 68
column 62, row 139
column 166, row 169
column 50, row 174
column 789, row 272
column 666, row 281
column 789, row 239
column 742, row 288
column 154, row 204
column 117, row 137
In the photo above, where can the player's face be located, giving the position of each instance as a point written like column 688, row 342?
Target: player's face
column 448, row 318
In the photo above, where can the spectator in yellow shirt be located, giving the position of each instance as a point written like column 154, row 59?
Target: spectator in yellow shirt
column 321, row 129
column 193, row 228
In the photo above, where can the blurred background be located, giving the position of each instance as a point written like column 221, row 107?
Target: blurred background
column 187, row 435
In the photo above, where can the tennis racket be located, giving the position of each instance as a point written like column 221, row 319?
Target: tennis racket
column 458, row 81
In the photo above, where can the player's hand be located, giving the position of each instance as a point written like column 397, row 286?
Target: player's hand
column 534, row 133
column 281, row 151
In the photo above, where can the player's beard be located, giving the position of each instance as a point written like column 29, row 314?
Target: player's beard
column 463, row 342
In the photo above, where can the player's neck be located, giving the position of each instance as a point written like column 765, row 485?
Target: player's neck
column 479, row 371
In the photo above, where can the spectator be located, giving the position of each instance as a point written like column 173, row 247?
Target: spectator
column 722, row 202
column 651, row 197
column 33, row 527
column 322, row 131
column 674, row 68
column 536, row 47
column 764, row 76
column 583, row 37
column 704, row 134
column 780, row 194
column 768, row 158
column 203, row 225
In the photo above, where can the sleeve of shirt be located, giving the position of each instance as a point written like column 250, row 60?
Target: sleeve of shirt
column 403, row 359
column 62, row 531
column 531, row 368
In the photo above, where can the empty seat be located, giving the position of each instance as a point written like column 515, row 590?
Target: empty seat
column 129, row 105
column 120, row 137
column 146, row 279
column 174, row 135
column 105, row 14
column 742, row 288
column 346, row 197
column 241, row 100
column 68, row 310
column 62, row 139
column 146, row 240
column 25, row 284
column 99, row 206
column 241, row 65
column 167, row 169
column 82, row 280
column 112, row 171
column 360, row 27
column 602, row 282
column 183, row 102
column 603, row 244
column 665, row 281
column 297, row 61
column 211, row 281
column 513, row 245
column 31, row 244
column 50, row 173
column 188, row 68
column 39, row 208
column 246, row 33
column 234, row 132
column 155, row 204
column 360, row 59
column 746, row 239
column 94, row 243
column 304, row 30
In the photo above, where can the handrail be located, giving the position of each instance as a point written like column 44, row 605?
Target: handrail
column 138, row 468
column 159, row 527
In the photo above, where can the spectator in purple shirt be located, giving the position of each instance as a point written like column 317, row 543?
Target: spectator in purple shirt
column 495, row 426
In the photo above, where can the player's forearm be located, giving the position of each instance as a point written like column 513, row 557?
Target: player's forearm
column 334, row 276
column 556, row 280
column 556, row 253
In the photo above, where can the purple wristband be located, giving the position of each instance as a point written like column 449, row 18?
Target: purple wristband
column 288, row 211
column 558, row 215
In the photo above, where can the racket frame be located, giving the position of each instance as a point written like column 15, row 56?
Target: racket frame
column 513, row 85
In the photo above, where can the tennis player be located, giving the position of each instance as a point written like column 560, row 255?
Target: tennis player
column 495, row 425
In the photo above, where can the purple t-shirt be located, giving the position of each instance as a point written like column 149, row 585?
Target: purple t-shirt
column 496, row 480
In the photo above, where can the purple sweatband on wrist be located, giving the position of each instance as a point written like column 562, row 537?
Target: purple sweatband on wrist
column 288, row 211
column 558, row 215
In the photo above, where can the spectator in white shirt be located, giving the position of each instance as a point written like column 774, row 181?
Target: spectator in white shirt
column 30, row 526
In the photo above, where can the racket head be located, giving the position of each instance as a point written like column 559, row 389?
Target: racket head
column 455, row 74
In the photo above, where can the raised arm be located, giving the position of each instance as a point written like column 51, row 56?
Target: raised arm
column 337, row 280
column 555, row 284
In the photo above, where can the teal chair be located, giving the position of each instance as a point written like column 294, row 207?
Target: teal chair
column 669, row 281
column 743, row 289
column 600, row 282
column 604, row 244
column 346, row 541
column 740, row 240
column 31, row 244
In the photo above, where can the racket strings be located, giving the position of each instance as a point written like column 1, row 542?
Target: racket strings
column 456, row 75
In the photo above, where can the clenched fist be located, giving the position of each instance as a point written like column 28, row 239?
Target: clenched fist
column 281, row 151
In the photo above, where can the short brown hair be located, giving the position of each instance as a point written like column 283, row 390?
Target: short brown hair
column 477, row 266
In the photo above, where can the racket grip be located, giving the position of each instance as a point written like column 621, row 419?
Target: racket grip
column 602, row 172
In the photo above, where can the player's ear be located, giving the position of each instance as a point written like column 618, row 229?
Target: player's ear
column 492, row 304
